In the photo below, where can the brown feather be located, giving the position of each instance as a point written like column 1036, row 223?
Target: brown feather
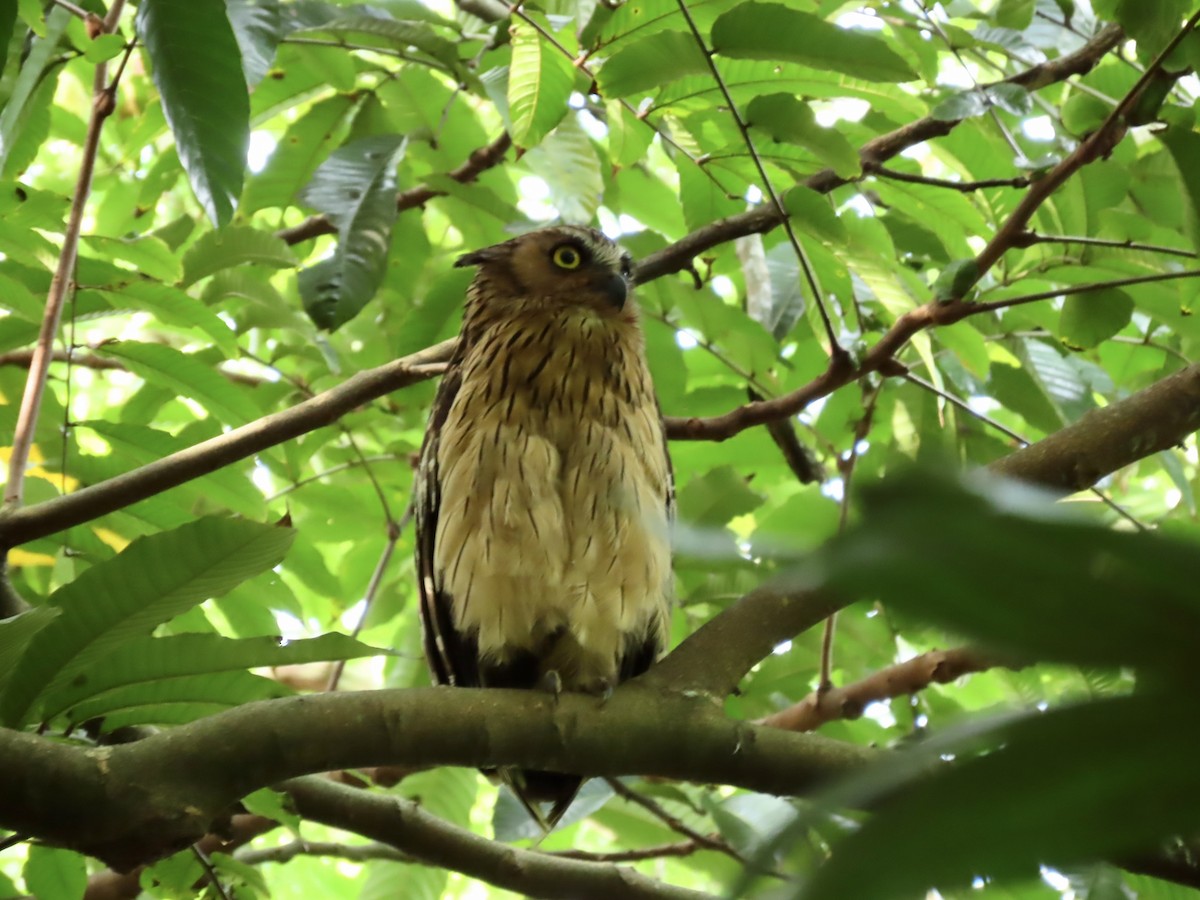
column 544, row 491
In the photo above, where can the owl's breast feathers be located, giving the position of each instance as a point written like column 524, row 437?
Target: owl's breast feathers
column 550, row 551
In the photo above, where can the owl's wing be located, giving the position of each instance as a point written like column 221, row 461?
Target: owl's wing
column 452, row 656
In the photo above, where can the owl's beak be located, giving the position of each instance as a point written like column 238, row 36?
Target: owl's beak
column 614, row 287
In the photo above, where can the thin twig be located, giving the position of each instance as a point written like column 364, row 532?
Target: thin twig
column 709, row 843
column 207, row 866
column 35, row 384
column 394, row 530
column 1030, row 238
column 836, row 350
column 909, row 677
column 991, row 305
column 962, row 405
column 1021, row 181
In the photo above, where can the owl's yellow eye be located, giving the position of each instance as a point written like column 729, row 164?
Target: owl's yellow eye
column 566, row 257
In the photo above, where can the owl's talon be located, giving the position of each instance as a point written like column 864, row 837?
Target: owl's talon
column 551, row 682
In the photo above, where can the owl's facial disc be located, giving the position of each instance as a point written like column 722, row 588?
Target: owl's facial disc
column 602, row 276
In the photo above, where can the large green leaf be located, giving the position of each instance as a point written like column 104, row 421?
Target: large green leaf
column 172, row 700
column 153, row 580
column 158, row 364
column 257, row 26
column 172, row 306
column 233, row 246
column 650, row 63
column 145, row 660
column 203, row 94
column 539, row 84
column 568, row 164
column 1099, row 597
column 137, row 445
column 1095, row 781
column 307, row 141
column 773, row 31
column 32, row 69
column 16, row 633
column 788, row 121
column 356, row 189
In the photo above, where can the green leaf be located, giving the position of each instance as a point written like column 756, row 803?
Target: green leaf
column 1184, row 147
column 137, row 445
column 232, row 246
column 1016, row 14
column 628, row 136
column 1100, row 780
column 172, row 306
column 567, row 162
column 356, row 189
column 307, row 141
column 104, row 47
column 956, row 280
column 33, row 67
column 149, row 659
column 203, row 94
column 380, row 29
column 257, row 26
column 776, row 32
column 173, row 700
column 702, row 197
column 649, row 63
column 54, row 874
column 153, row 580
column 16, row 633
column 540, row 79
column 160, row 365
column 1083, row 113
column 1100, row 597
column 813, row 213
column 788, row 121
column 715, row 498
column 1088, row 320
column 8, row 19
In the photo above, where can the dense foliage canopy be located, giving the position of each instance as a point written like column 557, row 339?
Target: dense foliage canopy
column 880, row 244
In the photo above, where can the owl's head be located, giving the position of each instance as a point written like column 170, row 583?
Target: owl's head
column 562, row 264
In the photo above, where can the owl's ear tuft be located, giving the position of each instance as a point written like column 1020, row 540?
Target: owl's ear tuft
column 478, row 257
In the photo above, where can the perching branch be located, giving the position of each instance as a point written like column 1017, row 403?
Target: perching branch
column 135, row 802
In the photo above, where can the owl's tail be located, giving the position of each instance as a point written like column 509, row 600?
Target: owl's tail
column 535, row 788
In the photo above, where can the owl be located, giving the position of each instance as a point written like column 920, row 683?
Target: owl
column 544, row 492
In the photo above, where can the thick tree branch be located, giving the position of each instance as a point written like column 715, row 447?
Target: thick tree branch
column 408, row 828
column 718, row 654
column 131, row 803
column 1154, row 419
